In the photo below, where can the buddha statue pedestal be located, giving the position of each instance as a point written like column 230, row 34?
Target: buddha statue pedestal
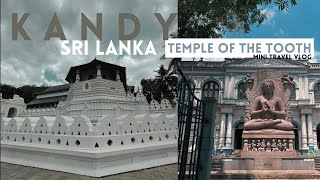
column 268, row 142
column 268, row 149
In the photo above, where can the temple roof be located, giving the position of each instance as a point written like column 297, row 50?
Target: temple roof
column 59, row 88
column 48, row 100
column 93, row 65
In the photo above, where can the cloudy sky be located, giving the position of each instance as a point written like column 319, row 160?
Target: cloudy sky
column 301, row 21
column 40, row 62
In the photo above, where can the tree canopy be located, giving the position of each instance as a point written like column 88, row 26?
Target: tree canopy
column 213, row 18
column 26, row 92
column 163, row 86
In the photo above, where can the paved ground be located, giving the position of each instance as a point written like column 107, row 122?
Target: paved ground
column 17, row 172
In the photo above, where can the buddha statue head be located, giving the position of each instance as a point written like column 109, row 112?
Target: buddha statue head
column 268, row 87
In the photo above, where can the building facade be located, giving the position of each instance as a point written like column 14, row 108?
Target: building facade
column 224, row 80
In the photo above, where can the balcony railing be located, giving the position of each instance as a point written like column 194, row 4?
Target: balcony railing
column 314, row 65
column 202, row 63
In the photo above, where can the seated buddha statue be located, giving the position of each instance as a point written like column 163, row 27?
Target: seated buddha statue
column 268, row 111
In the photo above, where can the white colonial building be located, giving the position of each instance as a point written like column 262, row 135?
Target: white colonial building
column 94, row 125
column 225, row 81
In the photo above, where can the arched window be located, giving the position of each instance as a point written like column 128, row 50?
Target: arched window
column 210, row 89
column 317, row 92
column 241, row 91
column 12, row 112
column 86, row 86
column 293, row 92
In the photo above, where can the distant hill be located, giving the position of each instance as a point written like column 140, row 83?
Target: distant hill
column 26, row 92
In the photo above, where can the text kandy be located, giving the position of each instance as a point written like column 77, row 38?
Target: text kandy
column 55, row 29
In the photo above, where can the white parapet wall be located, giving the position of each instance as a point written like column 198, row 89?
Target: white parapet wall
column 116, row 144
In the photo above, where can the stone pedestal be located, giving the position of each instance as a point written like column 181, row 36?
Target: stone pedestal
column 268, row 149
column 243, row 163
column 268, row 140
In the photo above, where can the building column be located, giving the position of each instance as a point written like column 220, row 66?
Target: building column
column 315, row 140
column 226, row 86
column 231, row 87
column 216, row 138
column 229, row 130
column 311, row 97
column 306, row 86
column 222, row 130
column 301, row 87
column 304, row 131
column 310, row 129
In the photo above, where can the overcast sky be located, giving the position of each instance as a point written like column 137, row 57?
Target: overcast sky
column 40, row 62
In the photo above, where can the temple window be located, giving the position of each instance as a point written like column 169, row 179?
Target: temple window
column 293, row 92
column 210, row 89
column 86, row 85
column 241, row 91
column 317, row 92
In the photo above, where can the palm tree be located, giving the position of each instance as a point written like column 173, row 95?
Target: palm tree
column 148, row 89
column 173, row 65
column 166, row 84
column 163, row 86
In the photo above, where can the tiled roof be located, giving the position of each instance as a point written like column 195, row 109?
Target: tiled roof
column 55, row 99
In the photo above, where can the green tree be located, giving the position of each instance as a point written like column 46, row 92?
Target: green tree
column 7, row 91
column 213, row 18
column 26, row 92
column 148, row 89
column 166, row 83
column 163, row 86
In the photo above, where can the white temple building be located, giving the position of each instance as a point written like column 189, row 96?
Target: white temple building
column 12, row 107
column 224, row 80
column 94, row 126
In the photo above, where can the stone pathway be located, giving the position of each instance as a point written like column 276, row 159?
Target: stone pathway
column 17, row 172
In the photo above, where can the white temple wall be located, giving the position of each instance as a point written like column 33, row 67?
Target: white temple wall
column 12, row 107
column 116, row 144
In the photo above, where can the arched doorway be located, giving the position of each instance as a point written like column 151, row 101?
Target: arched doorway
column 12, row 112
column 318, row 136
column 238, row 136
column 296, row 136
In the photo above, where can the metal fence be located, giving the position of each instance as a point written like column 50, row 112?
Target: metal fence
column 195, row 118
